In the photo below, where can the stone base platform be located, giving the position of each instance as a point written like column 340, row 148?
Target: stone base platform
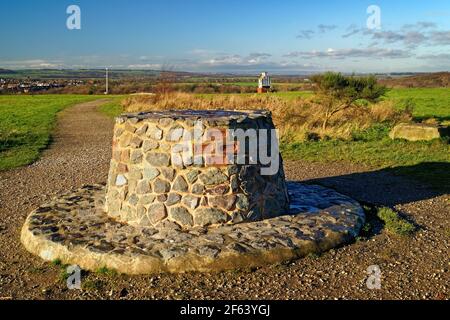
column 75, row 229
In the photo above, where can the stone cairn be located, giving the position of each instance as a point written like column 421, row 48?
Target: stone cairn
column 185, row 193
column 160, row 176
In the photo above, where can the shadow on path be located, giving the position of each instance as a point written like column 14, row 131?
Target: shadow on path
column 392, row 186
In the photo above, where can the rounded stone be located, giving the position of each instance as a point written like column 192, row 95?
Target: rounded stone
column 210, row 216
column 156, row 213
column 161, row 186
column 181, row 215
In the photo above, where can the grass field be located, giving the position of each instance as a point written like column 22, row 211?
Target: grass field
column 26, row 123
column 427, row 103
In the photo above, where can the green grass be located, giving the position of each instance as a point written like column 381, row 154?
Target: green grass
column 106, row 272
column 394, row 223
column 26, row 123
column 113, row 108
column 427, row 102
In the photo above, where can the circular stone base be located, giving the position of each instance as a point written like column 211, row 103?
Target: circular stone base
column 74, row 229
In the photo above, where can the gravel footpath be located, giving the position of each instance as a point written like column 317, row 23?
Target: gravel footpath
column 414, row 267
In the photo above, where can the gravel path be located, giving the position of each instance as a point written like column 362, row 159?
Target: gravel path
column 414, row 267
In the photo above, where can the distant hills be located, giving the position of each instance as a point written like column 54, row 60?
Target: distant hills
column 6, row 71
column 75, row 74
column 426, row 80
column 395, row 80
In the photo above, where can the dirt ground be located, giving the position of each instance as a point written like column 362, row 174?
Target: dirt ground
column 415, row 267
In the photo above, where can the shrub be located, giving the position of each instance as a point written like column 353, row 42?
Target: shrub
column 337, row 93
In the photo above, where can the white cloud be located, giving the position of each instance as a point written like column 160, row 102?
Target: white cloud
column 351, row 53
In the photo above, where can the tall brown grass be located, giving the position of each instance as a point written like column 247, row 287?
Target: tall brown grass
column 297, row 119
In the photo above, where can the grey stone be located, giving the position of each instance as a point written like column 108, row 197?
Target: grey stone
column 158, row 159
column 147, row 199
column 155, row 133
column 209, row 251
column 198, row 188
column 129, row 127
column 237, row 217
column 234, row 183
column 168, row 173
column 175, row 134
column 191, row 202
column 149, row 145
column 415, row 132
column 157, row 212
column 242, row 202
column 136, row 142
column 136, row 156
column 225, row 202
column 135, row 174
column 151, row 173
column 161, row 186
column 121, row 180
column 173, row 198
column 181, row 215
column 180, row 185
column 192, row 176
column 162, row 198
column 218, row 190
column 209, row 216
column 133, row 199
column 141, row 211
column 213, row 177
column 165, row 122
column 142, row 130
column 143, row 187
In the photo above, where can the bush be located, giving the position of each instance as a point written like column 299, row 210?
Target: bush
column 337, row 93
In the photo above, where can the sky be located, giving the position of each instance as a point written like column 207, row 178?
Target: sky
column 235, row 36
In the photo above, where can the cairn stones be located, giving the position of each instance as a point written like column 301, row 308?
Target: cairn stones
column 164, row 183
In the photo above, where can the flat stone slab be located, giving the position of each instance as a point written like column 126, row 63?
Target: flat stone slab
column 75, row 229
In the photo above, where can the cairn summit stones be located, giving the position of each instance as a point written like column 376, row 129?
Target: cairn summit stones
column 172, row 204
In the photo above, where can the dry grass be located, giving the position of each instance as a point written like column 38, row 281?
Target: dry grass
column 298, row 120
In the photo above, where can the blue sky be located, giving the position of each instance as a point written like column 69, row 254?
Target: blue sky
column 227, row 36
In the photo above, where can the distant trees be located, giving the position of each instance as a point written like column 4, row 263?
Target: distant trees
column 337, row 92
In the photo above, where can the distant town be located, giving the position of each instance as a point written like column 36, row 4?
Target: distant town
column 30, row 86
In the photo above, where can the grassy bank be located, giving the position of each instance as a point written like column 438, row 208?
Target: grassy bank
column 26, row 123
